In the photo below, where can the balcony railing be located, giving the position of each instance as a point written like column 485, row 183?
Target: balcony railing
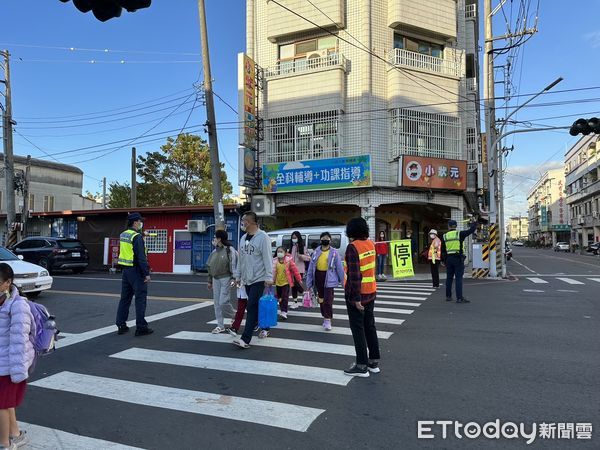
column 401, row 57
column 304, row 65
column 471, row 11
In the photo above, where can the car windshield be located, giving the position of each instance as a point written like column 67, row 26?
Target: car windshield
column 69, row 244
column 6, row 255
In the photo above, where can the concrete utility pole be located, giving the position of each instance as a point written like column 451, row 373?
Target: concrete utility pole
column 215, row 165
column 25, row 213
column 133, row 180
column 9, row 166
column 490, row 124
column 103, row 192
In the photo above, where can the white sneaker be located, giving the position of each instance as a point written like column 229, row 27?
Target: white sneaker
column 293, row 305
column 263, row 334
column 218, row 330
column 327, row 324
column 383, row 276
column 283, row 315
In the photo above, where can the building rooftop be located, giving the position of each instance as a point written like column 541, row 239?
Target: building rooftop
column 46, row 164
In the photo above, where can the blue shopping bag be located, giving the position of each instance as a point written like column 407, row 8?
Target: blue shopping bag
column 267, row 310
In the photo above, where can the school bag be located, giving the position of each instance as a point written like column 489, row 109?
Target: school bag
column 44, row 331
column 267, row 310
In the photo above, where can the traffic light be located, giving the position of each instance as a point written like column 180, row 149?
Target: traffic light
column 104, row 10
column 585, row 127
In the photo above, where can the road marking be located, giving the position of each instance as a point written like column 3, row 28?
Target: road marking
column 569, row 280
column 41, row 438
column 523, row 265
column 150, row 297
column 237, row 365
column 386, row 310
column 594, row 279
column 316, row 328
column 568, row 290
column 71, row 339
column 345, row 317
column 289, row 344
column 400, row 297
column 384, row 302
column 537, row 280
column 119, row 280
column 532, row 290
column 273, row 414
column 406, row 288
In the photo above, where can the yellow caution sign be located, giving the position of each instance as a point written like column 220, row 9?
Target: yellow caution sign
column 401, row 254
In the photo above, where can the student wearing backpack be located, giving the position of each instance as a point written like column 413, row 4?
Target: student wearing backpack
column 285, row 275
column 16, row 356
column 325, row 272
column 221, row 264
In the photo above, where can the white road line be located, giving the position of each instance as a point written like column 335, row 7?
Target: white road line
column 537, row 280
column 400, row 297
column 594, row 279
column 420, row 291
column 42, row 438
column 237, row 365
column 71, row 339
column 523, row 265
column 532, row 290
column 118, row 278
column 316, row 328
column 345, row 317
column 569, row 280
column 570, row 291
column 386, row 310
column 385, row 302
column 273, row 414
column 289, row 344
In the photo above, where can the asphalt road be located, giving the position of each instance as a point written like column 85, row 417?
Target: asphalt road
column 523, row 351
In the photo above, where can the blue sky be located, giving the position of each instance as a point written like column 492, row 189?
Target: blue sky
column 49, row 84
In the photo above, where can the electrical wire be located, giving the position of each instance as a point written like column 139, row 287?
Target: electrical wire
column 98, row 50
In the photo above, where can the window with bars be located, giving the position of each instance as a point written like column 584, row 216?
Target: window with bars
column 420, row 133
column 156, row 241
column 298, row 138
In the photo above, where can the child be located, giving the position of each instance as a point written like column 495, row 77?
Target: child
column 16, row 356
column 325, row 272
column 300, row 257
column 285, row 273
column 241, row 309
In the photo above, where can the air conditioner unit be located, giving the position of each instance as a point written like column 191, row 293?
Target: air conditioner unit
column 316, row 59
column 196, row 226
column 263, row 205
column 317, row 54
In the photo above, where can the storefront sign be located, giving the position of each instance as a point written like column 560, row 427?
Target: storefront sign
column 247, row 98
column 317, row 174
column 183, row 245
column 247, row 167
column 562, row 227
column 401, row 254
column 544, row 218
column 432, row 173
column 561, row 204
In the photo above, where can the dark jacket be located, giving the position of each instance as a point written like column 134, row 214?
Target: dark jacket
column 139, row 254
column 462, row 235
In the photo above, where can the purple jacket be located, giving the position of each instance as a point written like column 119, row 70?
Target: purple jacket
column 335, row 271
column 16, row 350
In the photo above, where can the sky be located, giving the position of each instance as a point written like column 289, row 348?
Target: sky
column 64, row 103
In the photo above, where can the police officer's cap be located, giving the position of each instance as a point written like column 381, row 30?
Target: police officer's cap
column 452, row 223
column 134, row 216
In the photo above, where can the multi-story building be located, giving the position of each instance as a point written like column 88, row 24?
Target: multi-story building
column 369, row 107
column 582, row 169
column 548, row 212
column 518, row 228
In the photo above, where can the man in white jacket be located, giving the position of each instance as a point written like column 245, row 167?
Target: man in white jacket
column 254, row 271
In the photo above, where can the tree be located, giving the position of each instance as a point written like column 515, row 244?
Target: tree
column 179, row 174
column 119, row 195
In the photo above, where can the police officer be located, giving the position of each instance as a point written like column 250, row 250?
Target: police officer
column 136, row 275
column 452, row 254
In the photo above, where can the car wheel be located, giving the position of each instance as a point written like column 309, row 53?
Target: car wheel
column 33, row 294
column 79, row 270
column 43, row 262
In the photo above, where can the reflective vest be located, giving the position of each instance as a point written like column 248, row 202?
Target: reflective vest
column 366, row 256
column 126, row 247
column 452, row 240
column 435, row 250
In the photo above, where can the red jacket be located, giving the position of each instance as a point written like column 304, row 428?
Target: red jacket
column 381, row 248
column 291, row 271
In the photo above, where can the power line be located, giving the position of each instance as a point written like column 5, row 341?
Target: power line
column 99, row 50
column 95, row 61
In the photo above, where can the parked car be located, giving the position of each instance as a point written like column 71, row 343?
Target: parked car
column 562, row 247
column 593, row 248
column 54, row 253
column 29, row 278
column 518, row 244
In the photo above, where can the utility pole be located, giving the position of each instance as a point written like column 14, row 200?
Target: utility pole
column 490, row 124
column 25, row 213
column 215, row 165
column 9, row 166
column 103, row 192
column 133, row 179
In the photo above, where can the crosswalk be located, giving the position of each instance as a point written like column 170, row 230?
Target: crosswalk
column 283, row 357
column 579, row 281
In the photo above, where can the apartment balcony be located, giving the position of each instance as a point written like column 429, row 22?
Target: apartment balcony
column 471, row 11
column 316, row 62
column 433, row 16
column 426, row 63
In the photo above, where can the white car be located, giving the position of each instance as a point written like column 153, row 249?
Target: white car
column 561, row 247
column 517, row 244
column 29, row 278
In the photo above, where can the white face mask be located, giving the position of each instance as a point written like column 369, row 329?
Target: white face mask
column 432, row 236
column 280, row 254
column 243, row 227
column 294, row 241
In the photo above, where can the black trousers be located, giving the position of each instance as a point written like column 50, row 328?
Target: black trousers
column 435, row 272
column 364, row 333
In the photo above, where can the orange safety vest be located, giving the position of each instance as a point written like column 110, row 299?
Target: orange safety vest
column 435, row 250
column 366, row 256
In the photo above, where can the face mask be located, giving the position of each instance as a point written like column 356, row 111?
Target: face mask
column 214, row 242
column 382, row 237
column 294, row 241
column 280, row 254
column 432, row 236
column 141, row 225
column 243, row 227
column 325, row 242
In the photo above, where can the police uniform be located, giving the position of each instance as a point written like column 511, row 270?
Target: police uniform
column 452, row 251
column 132, row 258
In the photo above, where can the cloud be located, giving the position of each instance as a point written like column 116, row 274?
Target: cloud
column 518, row 181
column 593, row 38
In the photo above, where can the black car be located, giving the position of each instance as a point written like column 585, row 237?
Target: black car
column 54, row 253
